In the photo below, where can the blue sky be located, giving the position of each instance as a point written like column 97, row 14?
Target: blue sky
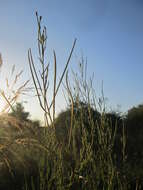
column 109, row 33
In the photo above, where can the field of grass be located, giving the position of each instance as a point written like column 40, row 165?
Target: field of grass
column 84, row 147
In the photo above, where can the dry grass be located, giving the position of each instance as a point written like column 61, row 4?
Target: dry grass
column 87, row 160
column 41, row 82
column 64, row 164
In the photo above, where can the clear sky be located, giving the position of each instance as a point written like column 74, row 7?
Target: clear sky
column 109, row 33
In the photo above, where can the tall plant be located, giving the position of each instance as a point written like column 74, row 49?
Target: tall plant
column 41, row 81
column 87, row 161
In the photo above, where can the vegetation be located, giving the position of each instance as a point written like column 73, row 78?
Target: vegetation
column 84, row 147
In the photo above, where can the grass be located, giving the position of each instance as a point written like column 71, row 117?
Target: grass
column 86, row 161
column 77, row 150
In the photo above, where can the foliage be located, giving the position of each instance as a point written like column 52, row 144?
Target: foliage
column 19, row 113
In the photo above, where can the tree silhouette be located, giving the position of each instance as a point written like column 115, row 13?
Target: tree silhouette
column 19, row 112
column 134, row 124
